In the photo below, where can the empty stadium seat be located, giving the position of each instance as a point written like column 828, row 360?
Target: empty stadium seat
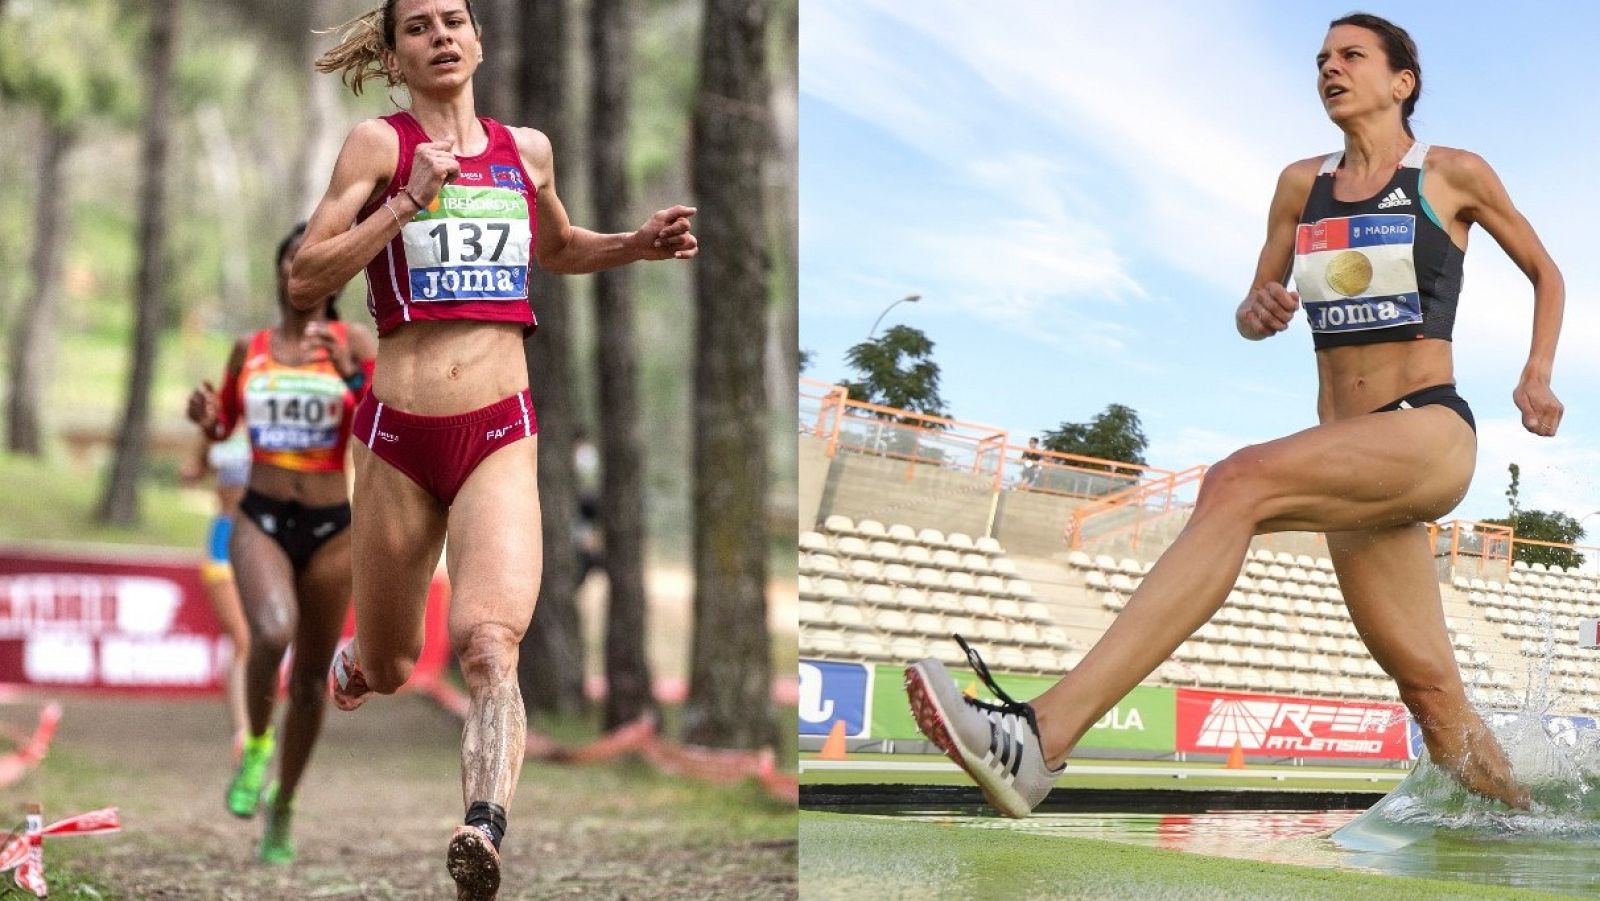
column 898, row 574
column 961, row 581
column 988, row 545
column 883, row 550
column 848, row 617
column 993, row 586
column 916, row 555
column 813, row 541
column 851, row 546
column 907, row 648
column 975, row 563
column 1003, row 566
column 931, row 537
column 1011, row 658
column 959, row 540
column 839, row 525
column 892, row 620
column 902, row 533
column 863, row 570
column 877, row 595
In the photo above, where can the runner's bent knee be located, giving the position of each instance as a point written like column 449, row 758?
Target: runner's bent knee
column 1235, row 486
column 488, row 653
column 386, row 674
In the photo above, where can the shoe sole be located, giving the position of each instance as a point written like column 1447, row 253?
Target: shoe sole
column 932, row 721
column 474, row 866
column 342, row 699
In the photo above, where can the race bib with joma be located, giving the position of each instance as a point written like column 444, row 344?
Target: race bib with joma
column 1356, row 273
column 470, row 244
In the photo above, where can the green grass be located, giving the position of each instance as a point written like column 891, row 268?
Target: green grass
column 848, row 856
column 50, row 501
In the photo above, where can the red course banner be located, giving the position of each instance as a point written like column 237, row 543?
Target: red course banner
column 1276, row 726
column 131, row 620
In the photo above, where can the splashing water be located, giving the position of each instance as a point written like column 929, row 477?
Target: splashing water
column 1557, row 757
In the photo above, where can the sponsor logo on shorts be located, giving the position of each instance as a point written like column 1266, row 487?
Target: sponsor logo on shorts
column 497, row 434
column 388, row 436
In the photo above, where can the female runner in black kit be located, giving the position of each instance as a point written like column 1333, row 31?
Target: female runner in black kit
column 1375, row 236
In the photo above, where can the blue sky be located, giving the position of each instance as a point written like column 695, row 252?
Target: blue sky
column 1079, row 191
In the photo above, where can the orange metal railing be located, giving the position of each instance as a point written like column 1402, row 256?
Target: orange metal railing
column 827, row 412
column 1132, row 511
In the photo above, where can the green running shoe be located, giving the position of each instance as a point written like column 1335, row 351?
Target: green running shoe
column 244, row 792
column 276, row 844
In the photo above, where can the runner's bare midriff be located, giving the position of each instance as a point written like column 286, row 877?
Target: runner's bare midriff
column 313, row 489
column 1354, row 381
column 449, row 367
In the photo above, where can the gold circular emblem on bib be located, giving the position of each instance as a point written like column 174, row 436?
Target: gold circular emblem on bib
column 1349, row 273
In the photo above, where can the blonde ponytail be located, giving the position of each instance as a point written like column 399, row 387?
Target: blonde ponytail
column 359, row 54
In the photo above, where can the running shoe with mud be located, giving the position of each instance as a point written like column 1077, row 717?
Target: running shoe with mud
column 996, row 743
column 474, row 864
column 345, row 681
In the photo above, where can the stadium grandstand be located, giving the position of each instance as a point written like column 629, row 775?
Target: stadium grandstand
column 914, row 527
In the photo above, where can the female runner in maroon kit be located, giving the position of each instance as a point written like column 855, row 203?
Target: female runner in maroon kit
column 445, row 211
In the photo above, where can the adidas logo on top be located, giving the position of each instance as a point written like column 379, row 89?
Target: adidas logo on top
column 1396, row 197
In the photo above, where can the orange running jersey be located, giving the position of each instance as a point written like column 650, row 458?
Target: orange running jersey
column 298, row 417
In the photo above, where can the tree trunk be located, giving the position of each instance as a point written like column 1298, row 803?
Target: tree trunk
column 120, row 505
column 495, row 85
column 784, row 349
column 33, row 342
column 319, row 138
column 622, row 463
column 731, row 682
column 551, row 667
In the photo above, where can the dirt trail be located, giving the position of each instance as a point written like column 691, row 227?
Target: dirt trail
column 376, row 811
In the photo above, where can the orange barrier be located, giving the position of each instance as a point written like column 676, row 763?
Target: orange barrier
column 827, row 412
column 31, row 749
column 25, row 853
column 1131, row 510
column 641, row 738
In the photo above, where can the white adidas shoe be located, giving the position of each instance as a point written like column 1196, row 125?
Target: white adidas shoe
column 997, row 744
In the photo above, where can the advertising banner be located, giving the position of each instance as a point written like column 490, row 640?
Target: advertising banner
column 1142, row 721
column 830, row 692
column 1277, row 726
column 131, row 620
column 1565, row 730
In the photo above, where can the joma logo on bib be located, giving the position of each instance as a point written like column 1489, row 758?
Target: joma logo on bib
column 480, row 282
column 1354, row 315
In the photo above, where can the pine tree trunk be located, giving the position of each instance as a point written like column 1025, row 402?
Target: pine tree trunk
column 730, row 685
column 120, row 505
column 622, row 462
column 551, row 667
column 33, row 342
column 495, row 86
